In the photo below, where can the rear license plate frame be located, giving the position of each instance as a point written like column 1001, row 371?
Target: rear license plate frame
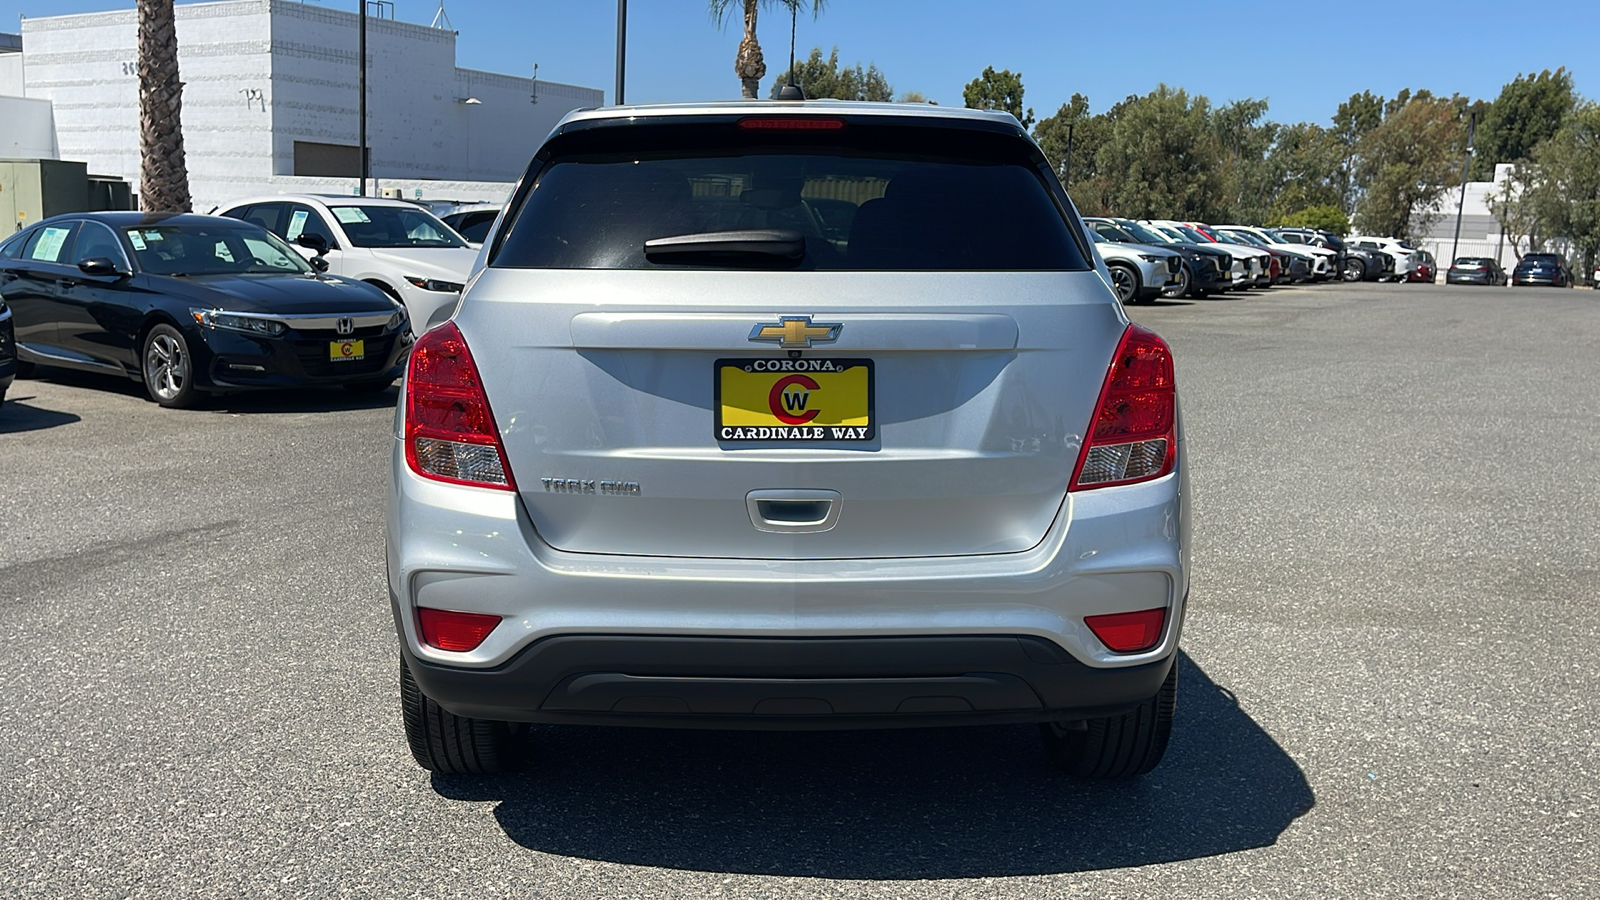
column 797, row 434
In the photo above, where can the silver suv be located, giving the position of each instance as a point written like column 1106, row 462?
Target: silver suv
column 789, row 415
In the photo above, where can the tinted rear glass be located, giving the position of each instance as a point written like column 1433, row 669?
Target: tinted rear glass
column 1540, row 258
column 864, row 198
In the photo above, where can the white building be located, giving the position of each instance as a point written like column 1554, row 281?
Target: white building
column 270, row 101
column 1481, row 234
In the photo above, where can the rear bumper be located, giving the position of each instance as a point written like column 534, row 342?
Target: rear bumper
column 776, row 683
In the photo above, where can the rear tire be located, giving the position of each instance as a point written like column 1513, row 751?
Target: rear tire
column 1125, row 281
column 1355, row 270
column 450, row 744
column 1122, row 746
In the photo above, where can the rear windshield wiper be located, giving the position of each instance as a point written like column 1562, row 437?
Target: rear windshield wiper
column 779, row 243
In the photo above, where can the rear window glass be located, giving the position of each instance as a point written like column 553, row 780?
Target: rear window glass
column 859, row 204
column 1541, row 258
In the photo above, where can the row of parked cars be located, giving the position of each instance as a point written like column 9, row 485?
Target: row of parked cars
column 191, row 304
column 1160, row 257
column 1533, row 269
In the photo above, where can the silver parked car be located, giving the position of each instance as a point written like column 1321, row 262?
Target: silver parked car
column 692, row 454
column 1139, row 273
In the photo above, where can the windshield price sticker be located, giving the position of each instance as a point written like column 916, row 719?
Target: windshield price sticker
column 297, row 224
column 351, row 215
column 137, row 240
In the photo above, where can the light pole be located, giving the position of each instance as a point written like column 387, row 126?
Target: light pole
column 1472, row 128
column 361, row 104
column 622, row 44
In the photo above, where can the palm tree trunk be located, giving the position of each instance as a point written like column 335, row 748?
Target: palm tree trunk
column 163, row 172
column 749, row 64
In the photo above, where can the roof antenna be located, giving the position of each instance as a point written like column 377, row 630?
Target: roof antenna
column 791, row 91
column 441, row 19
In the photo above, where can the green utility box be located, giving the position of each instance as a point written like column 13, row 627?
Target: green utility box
column 34, row 189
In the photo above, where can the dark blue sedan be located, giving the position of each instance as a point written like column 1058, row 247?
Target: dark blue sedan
column 190, row 304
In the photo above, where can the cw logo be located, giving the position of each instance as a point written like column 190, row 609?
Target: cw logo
column 789, row 397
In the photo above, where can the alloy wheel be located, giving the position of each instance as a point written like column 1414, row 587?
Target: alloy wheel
column 166, row 367
column 1124, row 282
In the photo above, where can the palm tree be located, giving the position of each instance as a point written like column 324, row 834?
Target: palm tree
column 749, row 64
column 163, row 173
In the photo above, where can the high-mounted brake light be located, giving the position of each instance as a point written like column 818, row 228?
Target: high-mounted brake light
column 1129, row 632
column 790, row 123
column 1133, row 434
column 456, row 631
column 450, row 432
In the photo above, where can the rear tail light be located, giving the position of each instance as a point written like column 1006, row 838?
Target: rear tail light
column 1133, row 434
column 455, row 631
column 450, row 432
column 1129, row 632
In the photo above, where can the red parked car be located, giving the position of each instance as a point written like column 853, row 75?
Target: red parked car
column 1423, row 269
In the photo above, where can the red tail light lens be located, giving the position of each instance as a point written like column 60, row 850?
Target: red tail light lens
column 456, row 631
column 1129, row 632
column 1133, row 434
column 450, row 432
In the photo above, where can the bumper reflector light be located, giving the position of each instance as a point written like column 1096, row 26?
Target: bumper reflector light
column 1129, row 632
column 455, row 631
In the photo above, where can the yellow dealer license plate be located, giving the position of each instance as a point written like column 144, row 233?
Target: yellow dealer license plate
column 794, row 400
column 338, row 350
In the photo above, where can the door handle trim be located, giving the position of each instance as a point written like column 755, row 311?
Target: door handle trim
column 793, row 511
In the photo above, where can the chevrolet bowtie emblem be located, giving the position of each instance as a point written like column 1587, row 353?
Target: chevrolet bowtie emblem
column 796, row 332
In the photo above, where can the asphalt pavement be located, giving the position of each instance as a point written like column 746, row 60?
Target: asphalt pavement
column 1389, row 685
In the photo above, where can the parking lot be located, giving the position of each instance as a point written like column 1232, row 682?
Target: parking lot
column 1389, row 684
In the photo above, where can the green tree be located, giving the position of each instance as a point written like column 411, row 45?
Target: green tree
column 163, row 169
column 1244, row 139
column 822, row 78
column 748, row 63
column 1566, row 194
column 1160, row 159
column 1529, row 111
column 1305, row 168
column 1354, row 120
column 1052, row 135
column 1407, row 164
column 1515, row 205
column 915, row 97
column 1000, row 90
column 1327, row 217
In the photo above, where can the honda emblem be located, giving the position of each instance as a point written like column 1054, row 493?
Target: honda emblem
column 345, row 326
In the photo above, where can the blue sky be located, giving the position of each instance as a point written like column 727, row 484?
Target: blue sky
column 1305, row 58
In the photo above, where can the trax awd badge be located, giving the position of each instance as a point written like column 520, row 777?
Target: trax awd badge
column 796, row 333
column 591, row 486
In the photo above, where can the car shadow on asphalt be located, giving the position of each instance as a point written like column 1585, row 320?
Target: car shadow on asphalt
column 299, row 401
column 903, row 804
column 17, row 416
column 288, row 400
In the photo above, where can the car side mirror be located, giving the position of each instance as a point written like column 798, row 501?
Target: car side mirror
column 318, row 263
column 102, row 267
column 313, row 242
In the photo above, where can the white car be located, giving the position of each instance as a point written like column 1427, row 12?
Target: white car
column 1248, row 264
column 473, row 220
column 396, row 246
column 1321, row 257
column 1405, row 256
